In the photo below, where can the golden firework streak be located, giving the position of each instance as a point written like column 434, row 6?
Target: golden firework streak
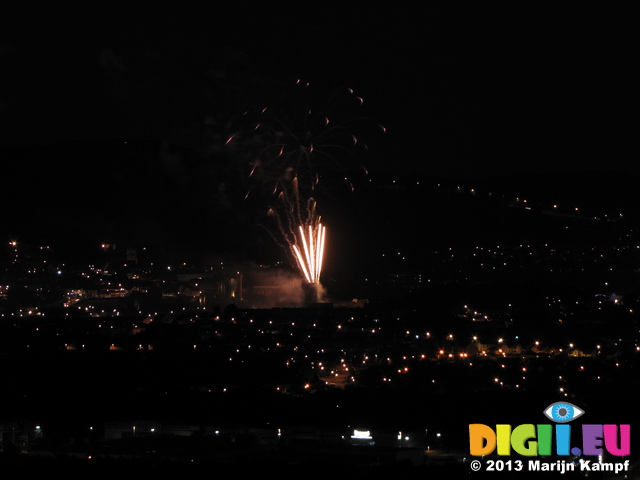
column 310, row 258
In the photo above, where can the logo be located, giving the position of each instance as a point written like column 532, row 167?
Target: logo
column 562, row 412
column 546, row 439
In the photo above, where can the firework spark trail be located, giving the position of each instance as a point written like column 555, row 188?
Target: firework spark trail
column 302, row 230
column 295, row 138
column 313, row 245
column 308, row 153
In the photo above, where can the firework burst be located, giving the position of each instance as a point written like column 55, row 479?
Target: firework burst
column 297, row 152
column 293, row 138
column 301, row 230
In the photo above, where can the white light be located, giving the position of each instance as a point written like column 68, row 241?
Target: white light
column 365, row 434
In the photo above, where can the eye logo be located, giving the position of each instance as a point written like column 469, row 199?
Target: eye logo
column 562, row 412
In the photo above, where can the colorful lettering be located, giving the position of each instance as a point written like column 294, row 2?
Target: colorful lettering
column 529, row 440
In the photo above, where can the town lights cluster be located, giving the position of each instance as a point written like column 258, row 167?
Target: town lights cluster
column 309, row 255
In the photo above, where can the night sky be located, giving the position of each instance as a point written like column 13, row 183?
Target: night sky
column 462, row 88
column 101, row 106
